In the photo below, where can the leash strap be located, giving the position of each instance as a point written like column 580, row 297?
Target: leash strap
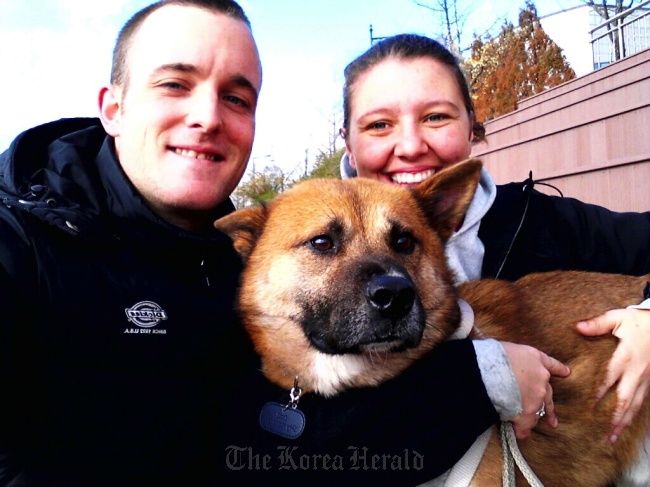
column 511, row 456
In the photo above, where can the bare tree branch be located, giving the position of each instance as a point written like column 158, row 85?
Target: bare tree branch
column 453, row 17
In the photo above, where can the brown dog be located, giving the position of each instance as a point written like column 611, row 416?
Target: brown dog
column 346, row 284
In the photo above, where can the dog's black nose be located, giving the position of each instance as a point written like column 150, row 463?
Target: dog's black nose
column 391, row 296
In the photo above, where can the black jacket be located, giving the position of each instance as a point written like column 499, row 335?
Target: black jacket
column 527, row 231
column 122, row 362
column 110, row 321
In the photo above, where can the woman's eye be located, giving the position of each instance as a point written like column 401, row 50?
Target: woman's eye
column 404, row 243
column 378, row 125
column 321, row 243
column 436, row 117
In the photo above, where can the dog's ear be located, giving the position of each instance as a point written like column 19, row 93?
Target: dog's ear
column 446, row 196
column 244, row 228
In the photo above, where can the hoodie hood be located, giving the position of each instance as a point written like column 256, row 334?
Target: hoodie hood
column 49, row 171
column 37, row 155
column 347, row 171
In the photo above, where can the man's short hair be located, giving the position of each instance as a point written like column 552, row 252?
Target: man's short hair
column 119, row 68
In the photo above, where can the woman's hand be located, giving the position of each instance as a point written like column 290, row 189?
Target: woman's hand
column 533, row 370
column 630, row 364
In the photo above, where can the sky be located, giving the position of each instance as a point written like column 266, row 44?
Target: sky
column 56, row 54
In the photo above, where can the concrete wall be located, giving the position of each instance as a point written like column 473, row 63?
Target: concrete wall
column 590, row 137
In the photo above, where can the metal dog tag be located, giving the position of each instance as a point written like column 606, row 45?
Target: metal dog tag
column 282, row 420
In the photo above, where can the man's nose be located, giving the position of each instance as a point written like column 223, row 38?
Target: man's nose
column 205, row 111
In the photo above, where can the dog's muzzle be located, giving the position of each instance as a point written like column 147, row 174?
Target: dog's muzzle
column 382, row 313
column 392, row 297
column 393, row 313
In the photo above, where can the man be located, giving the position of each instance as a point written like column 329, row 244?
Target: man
column 182, row 111
column 117, row 291
column 122, row 361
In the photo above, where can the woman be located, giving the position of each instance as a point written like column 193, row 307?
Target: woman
column 407, row 115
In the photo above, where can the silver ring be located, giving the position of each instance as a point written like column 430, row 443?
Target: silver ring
column 542, row 411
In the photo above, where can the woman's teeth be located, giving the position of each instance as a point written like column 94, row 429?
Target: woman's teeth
column 412, row 177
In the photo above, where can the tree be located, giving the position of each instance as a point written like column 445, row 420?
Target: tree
column 327, row 165
column 452, row 16
column 610, row 8
column 451, row 21
column 522, row 61
column 335, row 121
column 261, row 187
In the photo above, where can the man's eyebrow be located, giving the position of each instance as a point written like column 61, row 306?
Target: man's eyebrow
column 244, row 82
column 183, row 67
column 237, row 79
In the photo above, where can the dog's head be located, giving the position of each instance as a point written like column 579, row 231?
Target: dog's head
column 343, row 279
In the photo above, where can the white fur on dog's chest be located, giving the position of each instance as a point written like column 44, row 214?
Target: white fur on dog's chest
column 334, row 372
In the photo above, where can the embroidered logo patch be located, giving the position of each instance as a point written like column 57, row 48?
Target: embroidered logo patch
column 145, row 314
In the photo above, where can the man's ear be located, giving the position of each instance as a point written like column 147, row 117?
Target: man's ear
column 445, row 197
column 244, row 227
column 110, row 109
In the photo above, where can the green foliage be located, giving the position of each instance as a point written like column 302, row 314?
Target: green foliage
column 327, row 165
column 260, row 187
column 263, row 186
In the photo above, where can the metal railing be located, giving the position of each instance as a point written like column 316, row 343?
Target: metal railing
column 623, row 35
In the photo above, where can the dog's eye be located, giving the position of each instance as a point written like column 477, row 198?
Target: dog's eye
column 404, row 243
column 322, row 243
